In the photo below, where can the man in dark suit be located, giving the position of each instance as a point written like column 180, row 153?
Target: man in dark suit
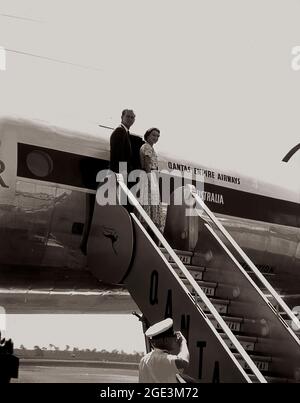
column 125, row 147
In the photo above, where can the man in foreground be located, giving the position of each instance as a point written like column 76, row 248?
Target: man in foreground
column 161, row 365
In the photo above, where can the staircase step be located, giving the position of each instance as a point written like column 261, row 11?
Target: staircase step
column 184, row 256
column 221, row 305
column 225, row 306
column 249, row 327
column 211, row 289
column 202, row 259
column 262, row 363
column 219, row 290
column 220, row 275
column 207, row 287
column 196, row 272
column 199, row 260
column 218, row 283
column 248, row 342
column 234, row 323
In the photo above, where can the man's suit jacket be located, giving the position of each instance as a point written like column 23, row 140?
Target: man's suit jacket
column 120, row 149
column 124, row 147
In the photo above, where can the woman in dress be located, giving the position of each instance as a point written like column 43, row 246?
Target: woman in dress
column 150, row 197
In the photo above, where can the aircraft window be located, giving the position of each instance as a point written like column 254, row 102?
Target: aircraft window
column 39, row 163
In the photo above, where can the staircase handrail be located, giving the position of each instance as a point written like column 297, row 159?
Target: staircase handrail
column 197, row 290
column 250, row 264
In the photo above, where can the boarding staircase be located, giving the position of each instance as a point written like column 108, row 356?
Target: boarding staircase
column 234, row 332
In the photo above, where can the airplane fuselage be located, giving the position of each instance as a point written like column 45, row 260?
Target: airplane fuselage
column 48, row 182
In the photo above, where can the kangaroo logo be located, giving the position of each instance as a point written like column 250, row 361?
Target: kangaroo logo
column 111, row 233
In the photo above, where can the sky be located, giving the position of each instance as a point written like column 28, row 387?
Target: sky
column 121, row 332
column 215, row 76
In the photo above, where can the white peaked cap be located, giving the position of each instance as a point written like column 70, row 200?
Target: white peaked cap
column 159, row 327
